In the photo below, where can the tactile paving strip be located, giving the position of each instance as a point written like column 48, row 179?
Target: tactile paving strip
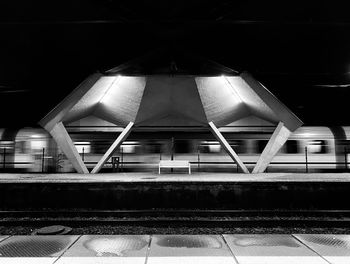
column 334, row 248
column 35, row 246
column 249, row 249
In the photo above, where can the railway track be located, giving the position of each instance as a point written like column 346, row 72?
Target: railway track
column 165, row 217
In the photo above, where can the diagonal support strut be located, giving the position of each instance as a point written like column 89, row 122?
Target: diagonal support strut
column 278, row 138
column 227, row 147
column 113, row 147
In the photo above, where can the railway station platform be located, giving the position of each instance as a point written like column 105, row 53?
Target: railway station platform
column 171, row 177
column 164, row 249
column 269, row 191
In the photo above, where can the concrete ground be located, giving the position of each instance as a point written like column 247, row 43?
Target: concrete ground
column 164, row 249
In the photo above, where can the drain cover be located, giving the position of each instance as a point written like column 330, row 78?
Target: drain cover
column 52, row 230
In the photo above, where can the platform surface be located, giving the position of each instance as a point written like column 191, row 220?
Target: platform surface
column 166, row 249
column 334, row 248
column 175, row 177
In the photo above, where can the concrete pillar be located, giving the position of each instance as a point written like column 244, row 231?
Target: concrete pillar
column 227, row 147
column 113, row 147
column 63, row 140
column 278, row 138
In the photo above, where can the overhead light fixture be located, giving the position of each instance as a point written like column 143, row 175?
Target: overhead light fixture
column 232, row 88
column 117, row 78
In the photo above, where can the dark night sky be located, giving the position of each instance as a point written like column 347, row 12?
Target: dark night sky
column 300, row 51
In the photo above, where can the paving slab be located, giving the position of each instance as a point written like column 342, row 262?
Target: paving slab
column 193, row 249
column 271, row 249
column 105, row 249
column 334, row 248
column 34, row 249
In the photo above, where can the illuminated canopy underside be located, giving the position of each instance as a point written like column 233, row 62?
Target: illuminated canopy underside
column 172, row 101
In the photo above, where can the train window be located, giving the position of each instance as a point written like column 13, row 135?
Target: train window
column 261, row 145
column 129, row 147
column 317, row 146
column 292, row 146
column 153, row 147
column 37, row 144
column 204, row 147
column 213, row 146
column 238, row 146
column 210, row 147
column 21, row 147
column 182, row 146
column 100, row 147
column 8, row 145
column 83, row 147
column 345, row 144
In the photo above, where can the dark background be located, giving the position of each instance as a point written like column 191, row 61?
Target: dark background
column 298, row 50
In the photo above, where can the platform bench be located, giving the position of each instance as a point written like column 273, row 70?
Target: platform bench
column 175, row 164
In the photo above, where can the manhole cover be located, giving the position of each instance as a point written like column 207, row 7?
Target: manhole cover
column 52, row 230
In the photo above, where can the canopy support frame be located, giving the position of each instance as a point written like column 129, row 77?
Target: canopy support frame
column 113, row 147
column 64, row 141
column 277, row 140
column 227, row 147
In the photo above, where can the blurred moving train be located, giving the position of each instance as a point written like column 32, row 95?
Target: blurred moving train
column 308, row 149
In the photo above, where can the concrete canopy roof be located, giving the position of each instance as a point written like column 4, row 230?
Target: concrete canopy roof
column 163, row 100
column 171, row 99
